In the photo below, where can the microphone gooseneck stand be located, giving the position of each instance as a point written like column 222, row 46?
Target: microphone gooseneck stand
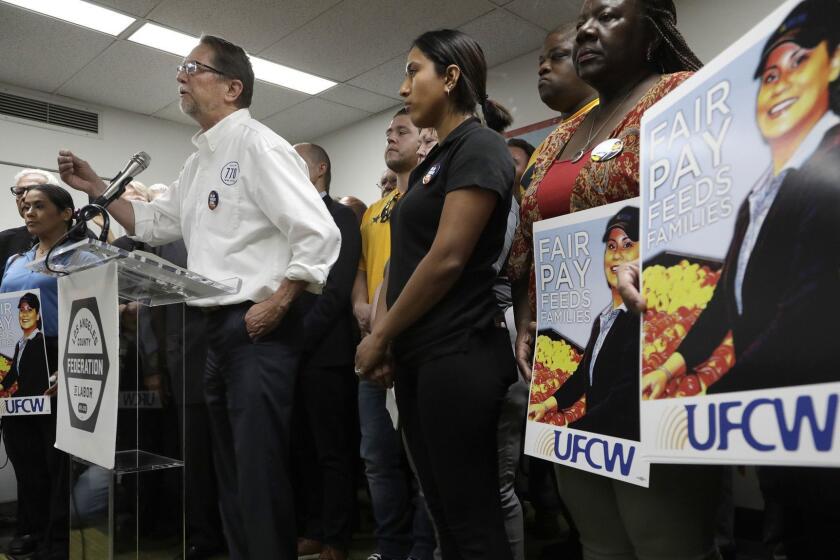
column 82, row 216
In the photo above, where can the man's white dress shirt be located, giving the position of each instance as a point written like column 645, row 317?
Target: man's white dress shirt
column 245, row 208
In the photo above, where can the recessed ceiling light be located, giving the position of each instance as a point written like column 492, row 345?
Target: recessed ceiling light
column 280, row 75
column 164, row 39
column 79, row 12
column 175, row 42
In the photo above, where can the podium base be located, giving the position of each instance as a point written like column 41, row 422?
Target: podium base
column 130, row 512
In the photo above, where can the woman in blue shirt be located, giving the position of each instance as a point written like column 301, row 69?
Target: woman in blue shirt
column 41, row 469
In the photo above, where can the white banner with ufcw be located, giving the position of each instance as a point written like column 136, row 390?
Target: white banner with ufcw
column 88, row 371
column 24, row 364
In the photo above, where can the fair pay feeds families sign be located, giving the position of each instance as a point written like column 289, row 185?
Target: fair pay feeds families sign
column 719, row 383
column 583, row 406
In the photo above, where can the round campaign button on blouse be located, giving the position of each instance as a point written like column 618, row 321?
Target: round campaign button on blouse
column 431, row 173
column 607, row 149
column 213, row 200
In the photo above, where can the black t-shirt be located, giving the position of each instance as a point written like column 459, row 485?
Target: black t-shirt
column 471, row 156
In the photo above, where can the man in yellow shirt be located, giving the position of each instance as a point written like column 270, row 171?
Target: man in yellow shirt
column 376, row 250
column 402, row 139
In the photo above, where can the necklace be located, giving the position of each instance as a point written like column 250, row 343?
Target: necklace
column 590, row 136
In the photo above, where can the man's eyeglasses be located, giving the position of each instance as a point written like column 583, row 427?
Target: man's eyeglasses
column 20, row 191
column 192, row 67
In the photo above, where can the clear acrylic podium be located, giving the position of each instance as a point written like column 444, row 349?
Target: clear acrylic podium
column 136, row 510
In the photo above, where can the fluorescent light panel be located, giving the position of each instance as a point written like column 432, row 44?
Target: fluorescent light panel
column 164, row 39
column 79, row 12
column 280, row 75
column 175, row 42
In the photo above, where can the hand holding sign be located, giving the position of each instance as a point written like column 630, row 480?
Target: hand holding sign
column 525, row 338
column 628, row 287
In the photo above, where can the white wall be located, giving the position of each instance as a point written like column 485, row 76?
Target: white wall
column 357, row 150
column 121, row 134
column 709, row 26
column 357, row 153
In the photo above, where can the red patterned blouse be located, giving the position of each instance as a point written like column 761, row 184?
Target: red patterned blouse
column 596, row 183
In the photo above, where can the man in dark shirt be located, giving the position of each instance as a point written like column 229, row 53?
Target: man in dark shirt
column 325, row 401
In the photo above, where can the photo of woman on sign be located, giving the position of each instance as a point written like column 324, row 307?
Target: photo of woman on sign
column 30, row 354
column 777, row 290
column 608, row 372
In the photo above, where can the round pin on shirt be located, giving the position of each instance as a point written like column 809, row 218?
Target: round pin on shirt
column 607, row 150
column 213, row 200
column 431, row 173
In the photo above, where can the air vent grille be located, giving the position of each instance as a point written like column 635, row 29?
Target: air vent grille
column 49, row 113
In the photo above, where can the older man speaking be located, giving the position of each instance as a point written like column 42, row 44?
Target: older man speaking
column 244, row 207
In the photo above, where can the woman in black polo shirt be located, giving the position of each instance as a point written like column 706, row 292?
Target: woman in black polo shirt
column 438, row 329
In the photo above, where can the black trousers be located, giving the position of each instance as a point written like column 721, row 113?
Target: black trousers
column 201, row 496
column 43, row 479
column 249, row 387
column 326, row 436
column 449, row 407
column 806, row 501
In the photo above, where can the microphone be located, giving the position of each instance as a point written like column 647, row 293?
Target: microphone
column 135, row 166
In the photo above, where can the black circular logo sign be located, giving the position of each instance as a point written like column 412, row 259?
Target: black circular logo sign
column 86, row 364
column 213, row 200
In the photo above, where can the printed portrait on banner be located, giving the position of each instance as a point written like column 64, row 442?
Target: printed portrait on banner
column 24, row 365
column 740, row 192
column 584, row 408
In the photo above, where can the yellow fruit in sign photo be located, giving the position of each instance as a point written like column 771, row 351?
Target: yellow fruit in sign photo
column 676, row 296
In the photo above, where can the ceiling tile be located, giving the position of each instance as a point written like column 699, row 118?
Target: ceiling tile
column 127, row 76
column 359, row 98
column 385, row 79
column 358, row 35
column 42, row 53
column 134, row 7
column 504, row 36
column 172, row 112
column 269, row 99
column 254, row 24
column 312, row 119
column 548, row 14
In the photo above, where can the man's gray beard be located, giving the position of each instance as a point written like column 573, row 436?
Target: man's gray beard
column 189, row 109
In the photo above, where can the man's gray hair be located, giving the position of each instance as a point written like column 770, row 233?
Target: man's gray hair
column 48, row 177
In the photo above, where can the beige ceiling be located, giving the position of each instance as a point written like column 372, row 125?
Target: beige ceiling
column 359, row 43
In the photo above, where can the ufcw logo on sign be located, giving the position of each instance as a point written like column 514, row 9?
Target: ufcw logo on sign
column 24, row 406
column 597, row 453
column 763, row 424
